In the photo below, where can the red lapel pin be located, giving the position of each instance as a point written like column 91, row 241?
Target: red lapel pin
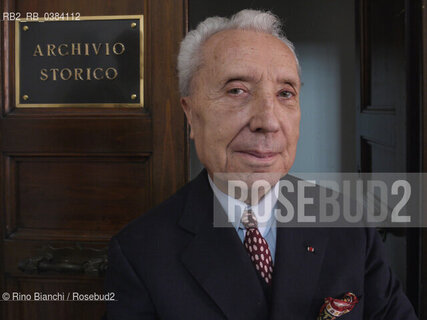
column 310, row 249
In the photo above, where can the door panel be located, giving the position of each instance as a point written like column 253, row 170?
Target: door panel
column 388, row 115
column 57, row 193
column 382, row 110
column 72, row 177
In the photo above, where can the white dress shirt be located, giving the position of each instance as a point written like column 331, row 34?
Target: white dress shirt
column 264, row 212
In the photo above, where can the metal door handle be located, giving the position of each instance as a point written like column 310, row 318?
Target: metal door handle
column 67, row 260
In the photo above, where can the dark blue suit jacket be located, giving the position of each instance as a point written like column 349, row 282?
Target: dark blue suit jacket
column 171, row 263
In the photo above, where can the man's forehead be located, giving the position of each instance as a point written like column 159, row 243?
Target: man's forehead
column 247, row 53
column 238, row 39
column 242, row 46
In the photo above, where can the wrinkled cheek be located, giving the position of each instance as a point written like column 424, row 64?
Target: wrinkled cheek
column 292, row 137
column 292, row 129
column 211, row 150
column 297, row 135
column 232, row 165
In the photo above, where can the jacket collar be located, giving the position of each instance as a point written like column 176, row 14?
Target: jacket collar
column 217, row 259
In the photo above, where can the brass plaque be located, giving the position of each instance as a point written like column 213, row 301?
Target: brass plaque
column 90, row 62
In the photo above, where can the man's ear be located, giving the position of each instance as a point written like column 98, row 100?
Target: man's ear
column 186, row 106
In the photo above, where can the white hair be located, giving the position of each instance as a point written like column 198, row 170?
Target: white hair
column 189, row 57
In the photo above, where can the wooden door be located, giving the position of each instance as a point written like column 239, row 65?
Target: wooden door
column 423, row 251
column 72, row 177
column 388, row 115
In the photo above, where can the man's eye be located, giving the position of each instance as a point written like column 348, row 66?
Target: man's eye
column 286, row 94
column 235, row 91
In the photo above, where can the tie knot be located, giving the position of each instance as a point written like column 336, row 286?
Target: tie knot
column 249, row 219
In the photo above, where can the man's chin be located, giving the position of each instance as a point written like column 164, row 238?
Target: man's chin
column 249, row 187
column 250, row 177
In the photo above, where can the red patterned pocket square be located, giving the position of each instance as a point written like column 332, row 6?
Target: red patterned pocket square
column 334, row 308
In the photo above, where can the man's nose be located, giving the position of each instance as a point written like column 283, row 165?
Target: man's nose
column 264, row 117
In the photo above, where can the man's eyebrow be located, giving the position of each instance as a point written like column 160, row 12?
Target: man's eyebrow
column 293, row 82
column 244, row 78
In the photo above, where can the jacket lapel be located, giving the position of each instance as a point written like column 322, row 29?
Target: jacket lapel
column 296, row 270
column 217, row 259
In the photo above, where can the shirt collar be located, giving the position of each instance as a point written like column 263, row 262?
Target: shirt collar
column 234, row 208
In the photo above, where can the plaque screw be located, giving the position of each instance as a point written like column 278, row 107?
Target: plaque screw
column 25, row 97
column 133, row 97
column 133, row 25
column 25, row 28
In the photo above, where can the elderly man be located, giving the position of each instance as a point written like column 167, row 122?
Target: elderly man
column 240, row 85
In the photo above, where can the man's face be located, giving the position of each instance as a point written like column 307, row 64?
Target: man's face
column 244, row 108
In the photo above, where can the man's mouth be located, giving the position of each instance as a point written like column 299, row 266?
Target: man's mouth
column 256, row 155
